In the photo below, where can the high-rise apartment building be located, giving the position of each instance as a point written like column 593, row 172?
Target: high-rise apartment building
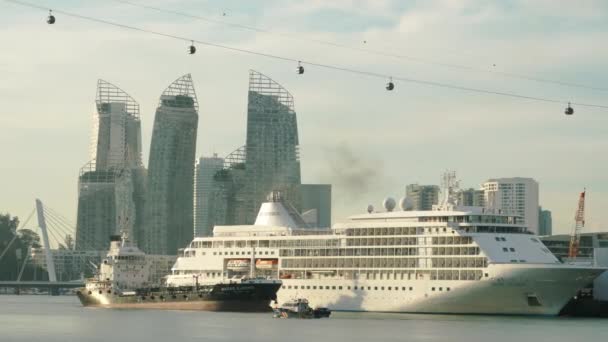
column 515, row 195
column 471, row 198
column 204, row 203
column 422, row 197
column 111, row 185
column 272, row 146
column 169, row 208
column 269, row 161
column 545, row 222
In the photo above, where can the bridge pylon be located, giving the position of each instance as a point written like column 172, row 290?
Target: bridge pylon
column 50, row 263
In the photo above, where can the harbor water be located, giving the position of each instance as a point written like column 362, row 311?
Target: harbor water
column 62, row 318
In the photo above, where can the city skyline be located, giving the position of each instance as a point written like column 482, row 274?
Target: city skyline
column 402, row 141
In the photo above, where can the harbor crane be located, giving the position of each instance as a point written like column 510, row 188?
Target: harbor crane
column 579, row 224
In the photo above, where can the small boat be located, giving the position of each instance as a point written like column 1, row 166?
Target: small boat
column 299, row 308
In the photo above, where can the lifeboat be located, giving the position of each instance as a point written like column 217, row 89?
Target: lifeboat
column 266, row 264
column 238, row 264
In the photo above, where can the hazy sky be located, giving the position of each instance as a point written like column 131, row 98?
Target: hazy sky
column 368, row 142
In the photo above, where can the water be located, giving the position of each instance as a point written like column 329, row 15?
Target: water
column 49, row 319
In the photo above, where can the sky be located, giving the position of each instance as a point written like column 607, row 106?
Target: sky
column 367, row 142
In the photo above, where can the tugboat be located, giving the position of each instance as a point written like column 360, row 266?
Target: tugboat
column 299, row 308
column 122, row 282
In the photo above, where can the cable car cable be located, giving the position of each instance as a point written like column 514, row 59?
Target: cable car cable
column 369, row 51
column 320, row 65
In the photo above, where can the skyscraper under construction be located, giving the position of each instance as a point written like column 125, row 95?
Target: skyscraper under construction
column 111, row 185
column 168, row 222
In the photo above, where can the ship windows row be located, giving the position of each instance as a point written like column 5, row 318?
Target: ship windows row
column 497, row 229
column 355, row 288
column 384, row 263
column 266, row 243
column 410, row 241
column 383, row 231
column 389, row 275
column 380, row 251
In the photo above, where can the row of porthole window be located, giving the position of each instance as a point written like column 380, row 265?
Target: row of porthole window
column 243, row 253
column 361, row 288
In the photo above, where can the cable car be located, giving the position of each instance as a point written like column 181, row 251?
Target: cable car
column 192, row 49
column 300, row 69
column 51, row 18
column 569, row 110
column 390, row 85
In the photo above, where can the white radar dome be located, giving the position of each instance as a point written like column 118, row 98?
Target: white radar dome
column 389, row 203
column 406, row 204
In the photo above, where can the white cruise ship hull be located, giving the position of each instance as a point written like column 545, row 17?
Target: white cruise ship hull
column 509, row 290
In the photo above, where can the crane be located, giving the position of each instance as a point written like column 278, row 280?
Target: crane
column 579, row 223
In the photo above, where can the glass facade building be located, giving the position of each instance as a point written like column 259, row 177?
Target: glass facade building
column 204, row 205
column 269, row 160
column 422, row 197
column 169, row 208
column 272, row 144
column 111, row 185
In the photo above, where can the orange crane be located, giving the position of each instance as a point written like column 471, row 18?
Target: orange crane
column 579, row 223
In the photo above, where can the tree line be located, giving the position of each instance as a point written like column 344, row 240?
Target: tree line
column 14, row 247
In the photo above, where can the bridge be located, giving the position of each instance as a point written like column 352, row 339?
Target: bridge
column 42, row 284
column 53, row 285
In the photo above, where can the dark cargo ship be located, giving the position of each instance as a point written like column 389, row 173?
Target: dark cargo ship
column 124, row 280
column 246, row 295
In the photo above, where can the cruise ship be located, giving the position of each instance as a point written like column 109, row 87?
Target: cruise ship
column 460, row 260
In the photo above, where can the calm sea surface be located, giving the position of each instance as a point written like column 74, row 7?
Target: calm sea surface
column 49, row 319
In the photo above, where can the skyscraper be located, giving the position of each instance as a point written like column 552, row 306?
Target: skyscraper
column 204, row 204
column 229, row 192
column 471, row 198
column 545, row 222
column 422, row 197
column 269, row 160
column 272, row 144
column 111, row 185
column 515, row 195
column 170, row 185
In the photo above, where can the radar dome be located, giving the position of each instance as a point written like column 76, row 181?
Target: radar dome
column 406, row 204
column 389, row 204
column 370, row 209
